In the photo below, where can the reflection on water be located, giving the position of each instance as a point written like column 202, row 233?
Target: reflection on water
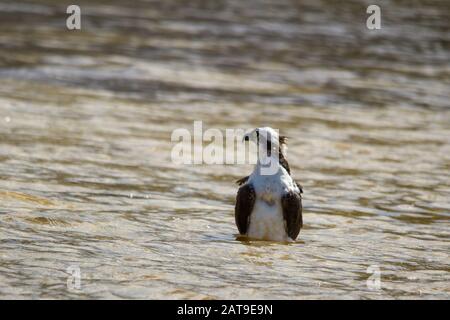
column 85, row 122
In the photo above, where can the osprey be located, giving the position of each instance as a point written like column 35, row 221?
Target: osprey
column 268, row 202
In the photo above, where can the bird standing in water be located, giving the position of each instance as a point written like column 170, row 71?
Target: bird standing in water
column 269, row 202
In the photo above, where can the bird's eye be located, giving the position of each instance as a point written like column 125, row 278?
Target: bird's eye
column 246, row 138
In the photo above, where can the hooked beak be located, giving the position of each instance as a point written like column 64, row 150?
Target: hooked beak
column 250, row 135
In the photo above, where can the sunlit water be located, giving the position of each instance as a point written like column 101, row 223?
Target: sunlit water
column 86, row 178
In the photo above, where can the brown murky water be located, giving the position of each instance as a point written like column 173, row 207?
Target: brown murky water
column 86, row 179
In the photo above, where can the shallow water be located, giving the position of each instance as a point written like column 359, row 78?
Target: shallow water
column 86, row 178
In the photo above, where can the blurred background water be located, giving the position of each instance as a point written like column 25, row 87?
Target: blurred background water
column 86, row 179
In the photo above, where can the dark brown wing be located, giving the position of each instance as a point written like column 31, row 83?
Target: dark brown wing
column 245, row 201
column 243, row 180
column 299, row 186
column 291, row 203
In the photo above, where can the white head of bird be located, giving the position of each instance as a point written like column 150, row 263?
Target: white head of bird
column 267, row 140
